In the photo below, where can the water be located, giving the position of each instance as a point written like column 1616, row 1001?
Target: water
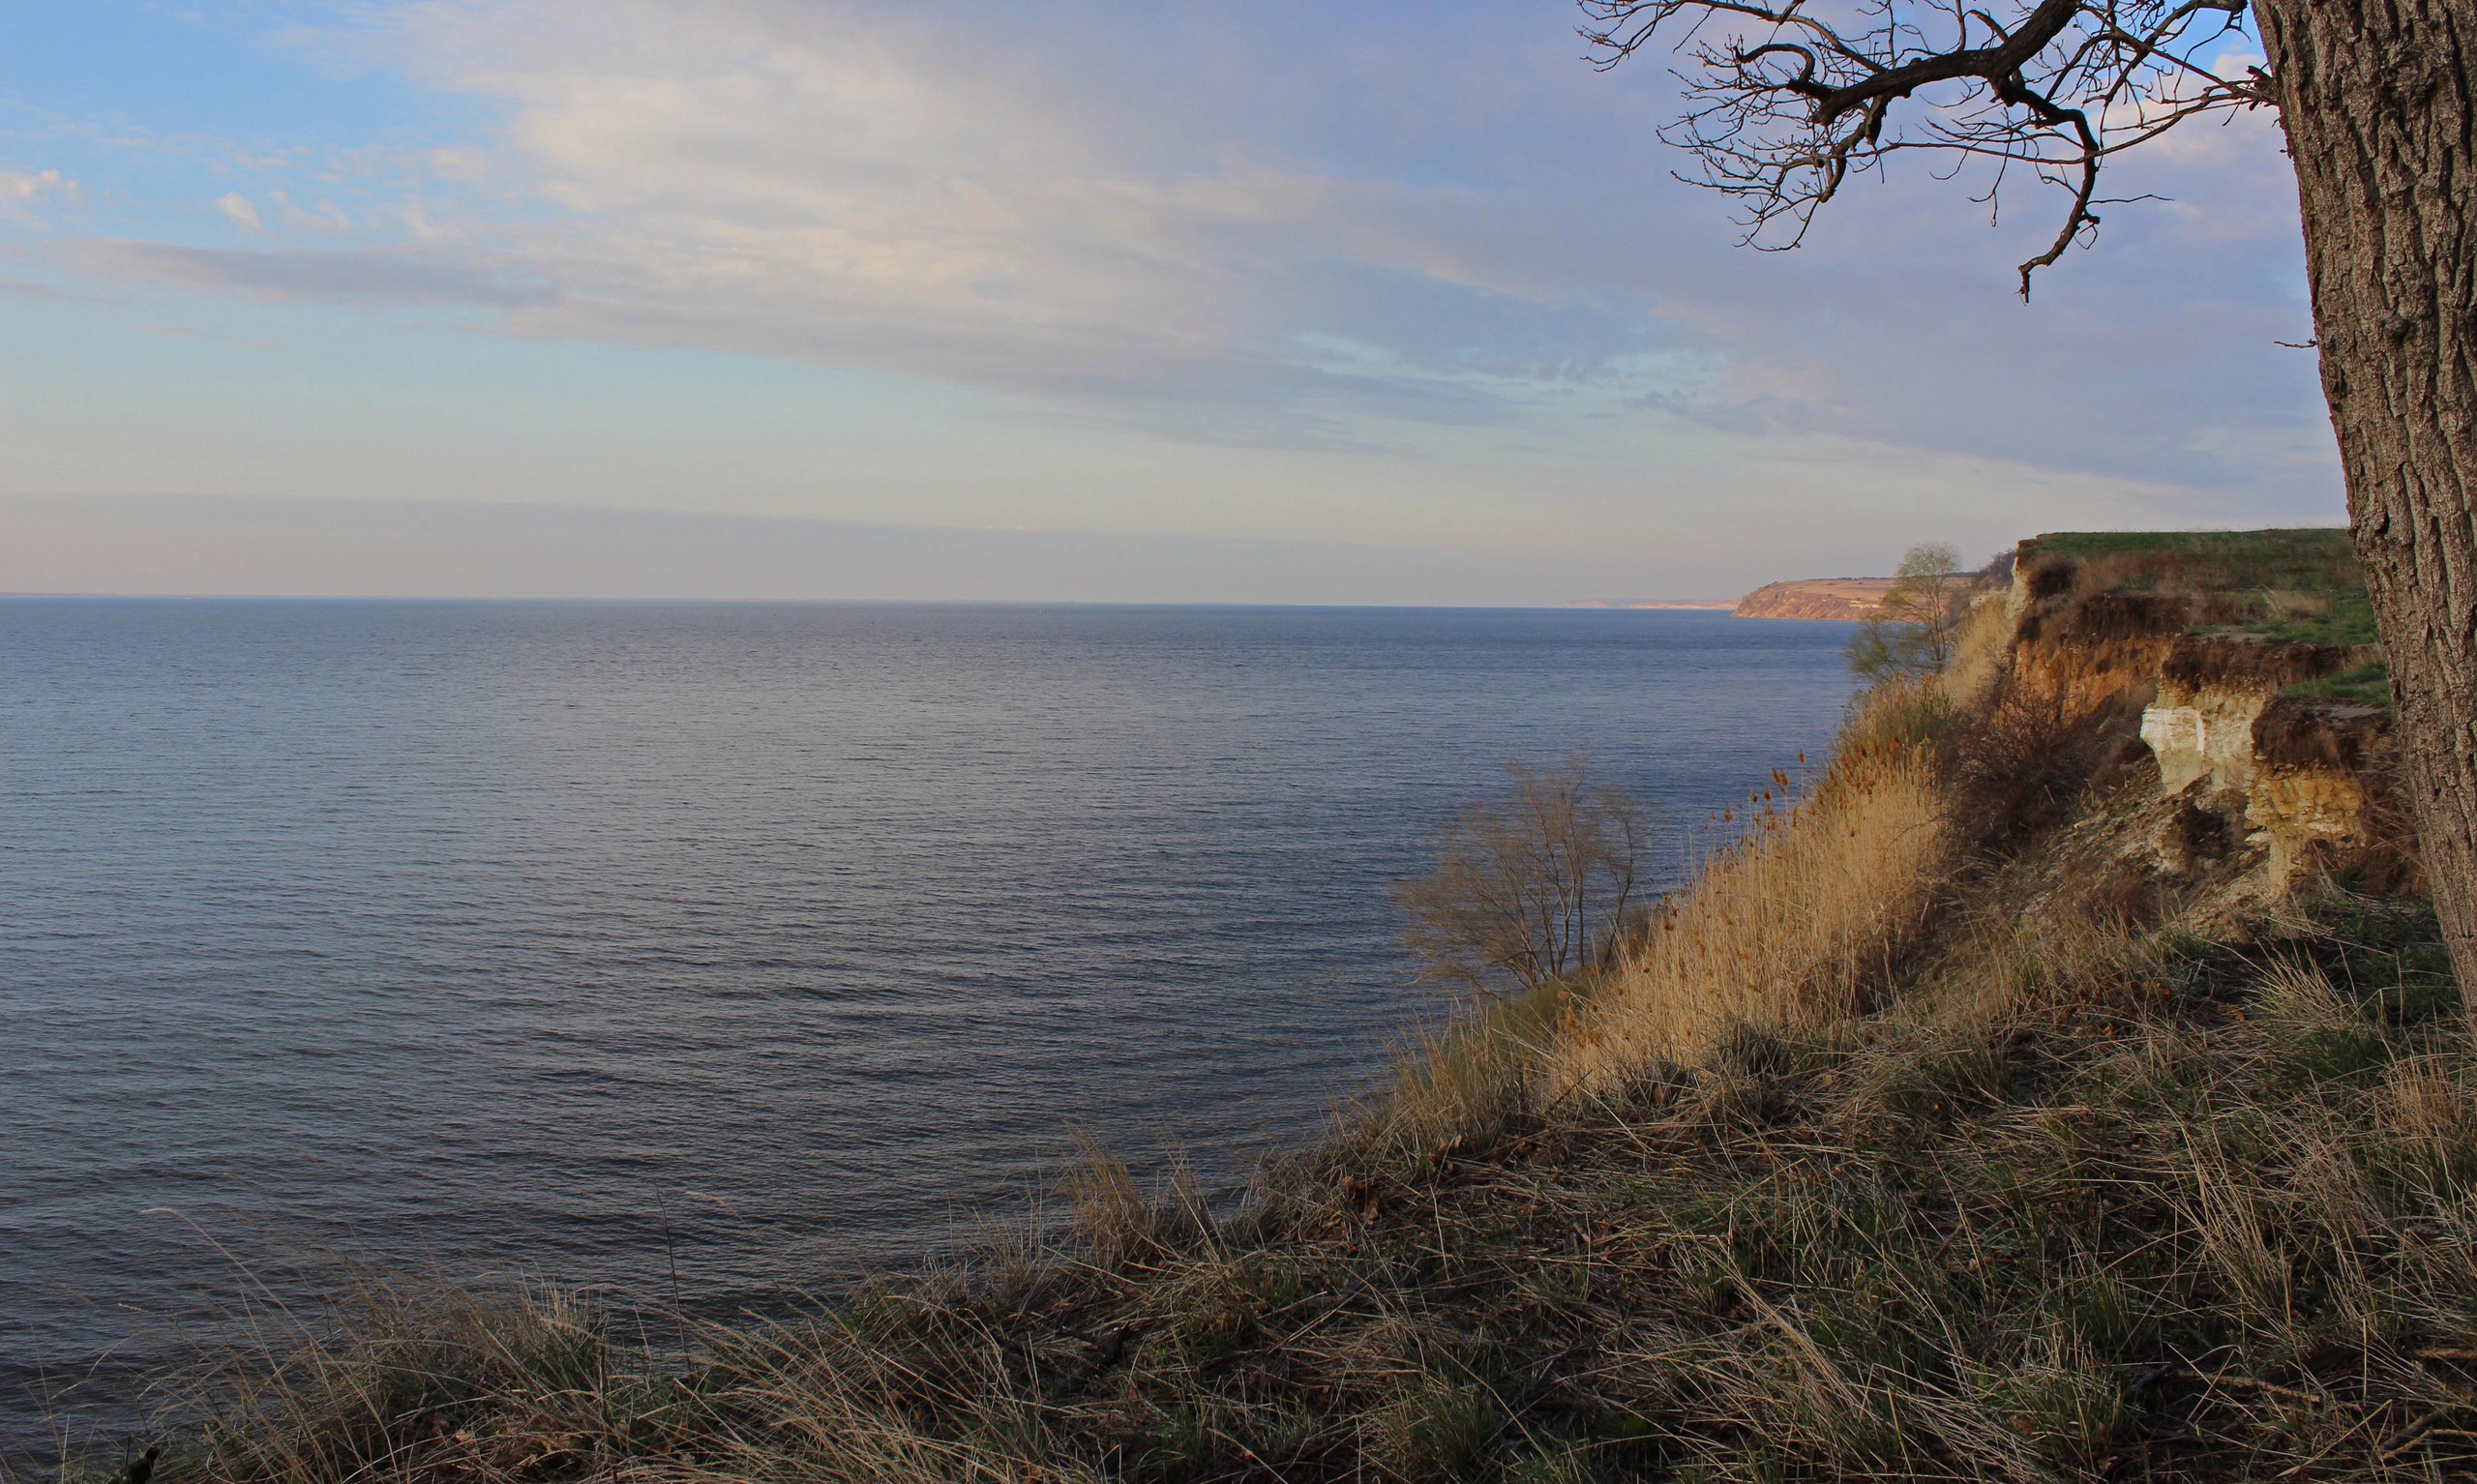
column 573, row 939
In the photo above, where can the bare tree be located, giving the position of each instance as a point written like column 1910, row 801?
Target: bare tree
column 1786, row 99
column 1534, row 889
column 1911, row 631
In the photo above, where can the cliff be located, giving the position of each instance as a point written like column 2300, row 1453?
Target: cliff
column 1823, row 598
column 2260, row 700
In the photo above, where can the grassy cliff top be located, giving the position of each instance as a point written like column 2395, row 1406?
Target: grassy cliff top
column 2308, row 558
column 2293, row 584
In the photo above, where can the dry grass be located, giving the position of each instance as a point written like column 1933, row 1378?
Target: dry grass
column 1981, row 652
column 391, row 1370
column 1790, row 926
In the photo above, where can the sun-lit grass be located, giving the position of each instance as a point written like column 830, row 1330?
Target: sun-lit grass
column 1791, row 925
column 1981, row 651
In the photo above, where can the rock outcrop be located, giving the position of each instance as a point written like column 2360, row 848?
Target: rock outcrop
column 2302, row 779
column 2289, row 783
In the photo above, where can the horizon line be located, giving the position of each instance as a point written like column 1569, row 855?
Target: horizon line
column 1648, row 606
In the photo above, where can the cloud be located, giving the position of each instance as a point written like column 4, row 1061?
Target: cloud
column 1282, row 224
column 20, row 191
column 238, row 211
column 824, row 181
column 1117, row 223
column 379, row 277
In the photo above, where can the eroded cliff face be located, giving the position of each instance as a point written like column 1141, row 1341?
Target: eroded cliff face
column 2204, row 737
column 2253, row 784
column 2300, row 777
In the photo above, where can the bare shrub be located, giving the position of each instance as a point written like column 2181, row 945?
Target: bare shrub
column 2021, row 765
column 1532, row 890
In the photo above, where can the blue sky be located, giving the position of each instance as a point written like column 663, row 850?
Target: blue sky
column 827, row 298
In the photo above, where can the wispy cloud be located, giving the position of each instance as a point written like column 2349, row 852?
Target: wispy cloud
column 834, row 180
column 1277, row 224
column 21, row 191
column 391, row 278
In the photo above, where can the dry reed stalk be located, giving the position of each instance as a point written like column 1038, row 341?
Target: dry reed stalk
column 1785, row 928
column 1981, row 652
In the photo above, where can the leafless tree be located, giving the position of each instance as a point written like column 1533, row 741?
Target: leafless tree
column 1534, row 889
column 2377, row 99
column 1912, row 630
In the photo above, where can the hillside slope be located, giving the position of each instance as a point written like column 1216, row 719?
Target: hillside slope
column 2003, row 1105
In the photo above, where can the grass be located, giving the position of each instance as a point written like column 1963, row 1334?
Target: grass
column 1796, row 923
column 2311, row 560
column 1904, row 1147
column 2363, row 685
column 2292, row 586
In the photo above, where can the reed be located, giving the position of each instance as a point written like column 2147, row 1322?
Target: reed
column 1791, row 925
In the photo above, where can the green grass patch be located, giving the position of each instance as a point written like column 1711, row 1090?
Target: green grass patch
column 2366, row 685
column 2287, row 585
column 2312, row 560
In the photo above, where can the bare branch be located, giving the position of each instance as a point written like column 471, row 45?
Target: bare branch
column 1784, row 103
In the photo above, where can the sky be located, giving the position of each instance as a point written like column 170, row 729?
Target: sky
column 1075, row 301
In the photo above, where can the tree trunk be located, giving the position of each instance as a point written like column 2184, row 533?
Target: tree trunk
column 2375, row 95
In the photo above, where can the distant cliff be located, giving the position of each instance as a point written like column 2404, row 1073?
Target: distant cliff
column 1839, row 598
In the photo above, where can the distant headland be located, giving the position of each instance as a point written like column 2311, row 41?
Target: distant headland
column 1838, row 598
column 1832, row 598
column 1709, row 604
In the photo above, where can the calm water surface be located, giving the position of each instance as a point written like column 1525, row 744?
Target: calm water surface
column 507, row 937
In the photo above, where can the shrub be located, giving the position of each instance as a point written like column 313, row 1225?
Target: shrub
column 1532, row 890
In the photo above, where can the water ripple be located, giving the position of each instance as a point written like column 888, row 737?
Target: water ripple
column 529, row 935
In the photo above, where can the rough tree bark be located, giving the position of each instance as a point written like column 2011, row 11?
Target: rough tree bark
column 2376, row 99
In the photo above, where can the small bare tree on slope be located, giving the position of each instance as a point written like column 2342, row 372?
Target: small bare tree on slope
column 1786, row 99
column 1534, row 889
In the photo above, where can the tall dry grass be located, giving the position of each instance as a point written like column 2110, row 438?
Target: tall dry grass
column 1981, row 651
column 1791, row 924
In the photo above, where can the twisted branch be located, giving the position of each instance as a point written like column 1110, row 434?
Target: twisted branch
column 1785, row 101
